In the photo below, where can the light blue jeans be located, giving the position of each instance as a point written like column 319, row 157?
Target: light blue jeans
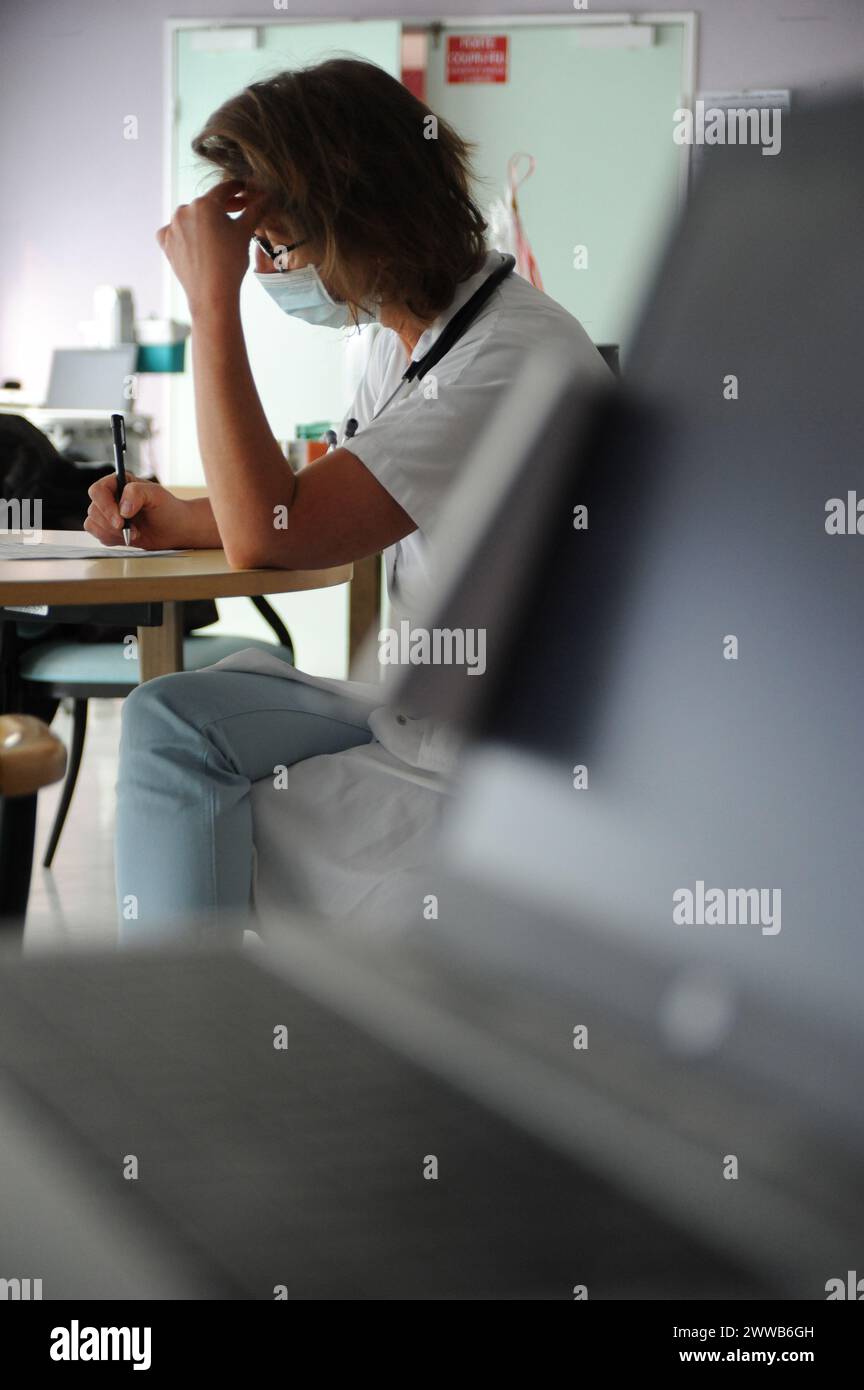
column 191, row 747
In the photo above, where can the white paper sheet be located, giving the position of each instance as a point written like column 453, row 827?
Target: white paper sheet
column 48, row 550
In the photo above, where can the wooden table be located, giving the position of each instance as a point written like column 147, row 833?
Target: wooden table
column 169, row 581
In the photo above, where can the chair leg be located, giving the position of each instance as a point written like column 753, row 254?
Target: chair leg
column 274, row 622
column 79, row 731
column 17, row 831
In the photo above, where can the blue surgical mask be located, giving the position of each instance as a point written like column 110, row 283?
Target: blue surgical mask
column 303, row 295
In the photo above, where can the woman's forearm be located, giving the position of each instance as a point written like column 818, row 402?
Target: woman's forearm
column 248, row 478
column 203, row 531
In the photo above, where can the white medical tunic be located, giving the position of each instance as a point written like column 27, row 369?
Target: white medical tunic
column 350, row 835
column 417, row 446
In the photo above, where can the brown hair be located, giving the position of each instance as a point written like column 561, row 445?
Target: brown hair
column 343, row 153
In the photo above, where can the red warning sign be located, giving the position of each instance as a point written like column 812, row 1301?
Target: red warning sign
column 477, row 57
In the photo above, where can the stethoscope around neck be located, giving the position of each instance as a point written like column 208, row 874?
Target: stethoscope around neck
column 450, row 334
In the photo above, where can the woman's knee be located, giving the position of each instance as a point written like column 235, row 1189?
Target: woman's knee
column 158, row 705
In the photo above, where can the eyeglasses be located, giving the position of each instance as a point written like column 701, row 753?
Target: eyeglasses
column 274, row 252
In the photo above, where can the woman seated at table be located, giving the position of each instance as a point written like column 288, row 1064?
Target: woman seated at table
column 364, row 199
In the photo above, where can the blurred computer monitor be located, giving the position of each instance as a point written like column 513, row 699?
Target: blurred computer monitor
column 695, row 648
column 672, row 702
column 91, row 378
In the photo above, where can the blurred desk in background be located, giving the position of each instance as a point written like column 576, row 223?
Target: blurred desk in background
column 87, row 432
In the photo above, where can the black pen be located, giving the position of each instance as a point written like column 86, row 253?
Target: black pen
column 118, row 436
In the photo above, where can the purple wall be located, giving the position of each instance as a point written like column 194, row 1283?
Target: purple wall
column 82, row 204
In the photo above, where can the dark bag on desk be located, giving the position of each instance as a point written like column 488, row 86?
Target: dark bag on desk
column 32, row 470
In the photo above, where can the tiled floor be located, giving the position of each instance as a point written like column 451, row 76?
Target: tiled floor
column 72, row 904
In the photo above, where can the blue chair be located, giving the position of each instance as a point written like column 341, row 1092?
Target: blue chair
column 81, row 671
